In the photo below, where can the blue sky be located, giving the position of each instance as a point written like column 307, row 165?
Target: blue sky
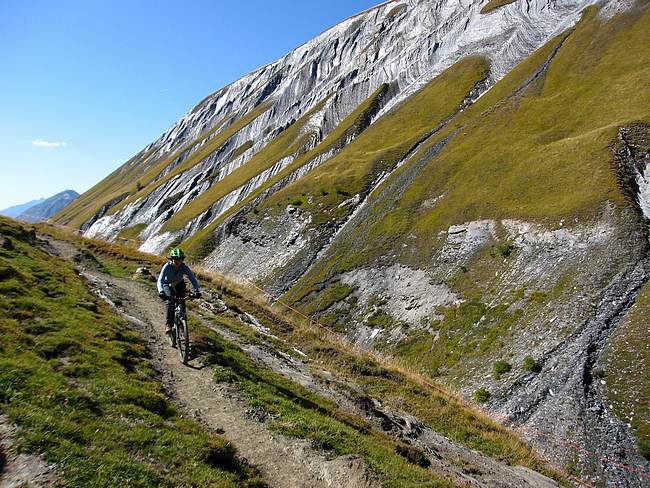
column 87, row 84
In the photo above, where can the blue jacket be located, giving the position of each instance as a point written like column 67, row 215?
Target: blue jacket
column 169, row 275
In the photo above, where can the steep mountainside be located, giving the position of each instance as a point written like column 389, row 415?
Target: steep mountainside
column 48, row 207
column 91, row 393
column 463, row 185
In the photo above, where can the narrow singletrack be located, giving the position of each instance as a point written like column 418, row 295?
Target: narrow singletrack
column 282, row 461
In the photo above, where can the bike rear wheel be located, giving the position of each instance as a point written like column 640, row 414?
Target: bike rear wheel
column 182, row 339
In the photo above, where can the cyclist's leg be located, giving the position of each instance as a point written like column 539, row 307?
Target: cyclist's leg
column 169, row 307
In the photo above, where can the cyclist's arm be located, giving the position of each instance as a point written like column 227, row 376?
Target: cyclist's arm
column 161, row 277
column 190, row 275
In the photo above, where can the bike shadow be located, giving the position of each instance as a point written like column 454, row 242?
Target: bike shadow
column 196, row 355
column 196, row 368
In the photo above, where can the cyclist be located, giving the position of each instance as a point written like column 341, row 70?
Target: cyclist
column 172, row 284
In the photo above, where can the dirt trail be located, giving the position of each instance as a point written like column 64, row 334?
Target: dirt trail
column 19, row 470
column 282, row 461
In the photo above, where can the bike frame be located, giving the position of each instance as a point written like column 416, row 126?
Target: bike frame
column 180, row 336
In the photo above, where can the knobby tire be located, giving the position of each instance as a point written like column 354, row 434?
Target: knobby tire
column 182, row 339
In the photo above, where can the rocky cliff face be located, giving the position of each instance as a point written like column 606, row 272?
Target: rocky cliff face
column 464, row 190
column 406, row 44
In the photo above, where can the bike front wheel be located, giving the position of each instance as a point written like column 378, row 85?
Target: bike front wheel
column 182, row 340
column 171, row 336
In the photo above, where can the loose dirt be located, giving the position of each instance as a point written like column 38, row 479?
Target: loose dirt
column 282, row 461
column 20, row 470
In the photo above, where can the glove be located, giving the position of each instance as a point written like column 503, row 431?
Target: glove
column 163, row 296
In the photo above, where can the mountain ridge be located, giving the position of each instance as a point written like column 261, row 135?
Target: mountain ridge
column 48, row 207
column 503, row 226
column 16, row 210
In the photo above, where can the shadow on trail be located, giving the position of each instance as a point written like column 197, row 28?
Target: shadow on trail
column 265, row 385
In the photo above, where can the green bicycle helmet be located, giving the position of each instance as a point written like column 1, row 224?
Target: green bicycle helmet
column 176, row 253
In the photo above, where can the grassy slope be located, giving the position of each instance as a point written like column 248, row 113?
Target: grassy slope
column 205, row 150
column 138, row 180
column 534, row 158
column 129, row 235
column 102, row 192
column 382, row 145
column 526, row 157
column 627, row 370
column 302, row 414
column 379, row 148
column 198, row 244
column 77, row 384
column 290, row 142
column 297, row 412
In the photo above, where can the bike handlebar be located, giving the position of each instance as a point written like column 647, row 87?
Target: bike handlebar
column 191, row 296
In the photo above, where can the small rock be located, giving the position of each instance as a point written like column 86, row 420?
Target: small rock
column 143, row 273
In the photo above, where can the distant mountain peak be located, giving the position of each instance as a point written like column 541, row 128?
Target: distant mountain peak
column 48, row 207
column 457, row 184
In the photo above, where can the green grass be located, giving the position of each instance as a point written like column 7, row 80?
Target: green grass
column 129, row 235
column 118, row 260
column 353, row 124
column 383, row 144
column 531, row 158
column 394, row 386
column 482, row 395
column 495, row 4
column 291, row 141
column 626, row 365
column 499, row 368
column 440, row 410
column 378, row 149
column 531, row 365
column 296, row 412
column 140, row 168
column 470, row 330
column 335, row 293
column 78, row 385
column 241, row 150
column 524, row 157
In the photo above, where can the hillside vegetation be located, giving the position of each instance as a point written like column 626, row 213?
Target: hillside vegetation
column 495, row 4
column 200, row 243
column 80, row 388
column 135, row 179
column 625, row 371
column 518, row 152
column 491, row 239
column 298, row 412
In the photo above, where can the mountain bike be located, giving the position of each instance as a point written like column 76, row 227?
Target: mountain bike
column 180, row 334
